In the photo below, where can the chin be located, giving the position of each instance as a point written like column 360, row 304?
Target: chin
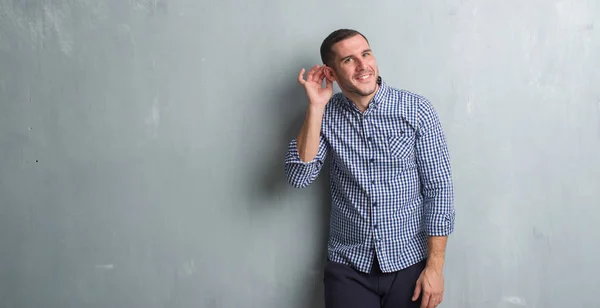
column 361, row 89
column 368, row 90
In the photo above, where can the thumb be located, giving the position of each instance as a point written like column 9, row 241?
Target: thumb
column 328, row 83
column 417, row 291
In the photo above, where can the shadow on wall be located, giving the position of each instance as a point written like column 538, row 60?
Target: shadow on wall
column 289, row 107
column 287, row 110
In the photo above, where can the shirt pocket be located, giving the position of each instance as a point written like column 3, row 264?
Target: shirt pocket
column 402, row 146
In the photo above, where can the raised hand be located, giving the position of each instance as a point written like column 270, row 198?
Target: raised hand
column 313, row 85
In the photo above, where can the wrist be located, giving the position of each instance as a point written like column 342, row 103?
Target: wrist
column 435, row 262
column 437, row 249
column 316, row 108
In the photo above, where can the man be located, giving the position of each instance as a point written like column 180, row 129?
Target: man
column 391, row 183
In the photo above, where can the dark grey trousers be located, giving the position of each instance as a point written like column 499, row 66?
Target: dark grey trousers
column 346, row 287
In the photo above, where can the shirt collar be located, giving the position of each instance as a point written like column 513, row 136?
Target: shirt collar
column 382, row 93
column 380, row 96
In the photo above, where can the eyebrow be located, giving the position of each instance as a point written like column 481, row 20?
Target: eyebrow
column 346, row 57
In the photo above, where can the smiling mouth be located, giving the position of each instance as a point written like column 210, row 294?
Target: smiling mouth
column 364, row 77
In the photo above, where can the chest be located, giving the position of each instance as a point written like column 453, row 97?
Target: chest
column 380, row 143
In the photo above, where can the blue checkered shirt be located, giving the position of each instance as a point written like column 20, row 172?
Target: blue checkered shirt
column 391, row 182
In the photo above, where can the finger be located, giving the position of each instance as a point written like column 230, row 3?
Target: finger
column 316, row 76
column 324, row 77
column 321, row 76
column 433, row 301
column 425, row 300
column 328, row 83
column 312, row 71
column 417, row 291
column 438, row 300
column 301, row 77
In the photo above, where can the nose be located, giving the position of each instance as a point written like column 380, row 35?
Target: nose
column 361, row 64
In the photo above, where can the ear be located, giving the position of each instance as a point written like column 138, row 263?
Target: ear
column 329, row 73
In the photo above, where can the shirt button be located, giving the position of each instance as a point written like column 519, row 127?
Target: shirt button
column 374, row 203
column 373, row 182
column 372, row 160
column 375, row 226
column 370, row 139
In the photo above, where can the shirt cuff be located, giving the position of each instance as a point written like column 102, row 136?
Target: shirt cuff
column 293, row 157
column 439, row 224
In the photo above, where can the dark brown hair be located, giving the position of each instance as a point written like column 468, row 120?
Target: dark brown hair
column 335, row 36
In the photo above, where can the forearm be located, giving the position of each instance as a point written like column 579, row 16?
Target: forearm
column 436, row 252
column 309, row 135
column 439, row 223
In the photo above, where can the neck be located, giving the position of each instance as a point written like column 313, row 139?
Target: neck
column 361, row 102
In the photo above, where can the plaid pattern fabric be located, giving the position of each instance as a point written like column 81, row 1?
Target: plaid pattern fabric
column 391, row 182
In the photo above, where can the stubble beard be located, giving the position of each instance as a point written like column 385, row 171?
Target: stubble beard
column 359, row 92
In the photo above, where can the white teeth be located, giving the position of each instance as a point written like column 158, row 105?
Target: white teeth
column 364, row 77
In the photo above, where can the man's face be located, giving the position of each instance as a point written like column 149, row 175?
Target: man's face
column 354, row 66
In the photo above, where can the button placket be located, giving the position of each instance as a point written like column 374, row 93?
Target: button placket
column 371, row 167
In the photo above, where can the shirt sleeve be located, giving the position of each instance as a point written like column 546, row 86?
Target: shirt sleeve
column 435, row 173
column 300, row 173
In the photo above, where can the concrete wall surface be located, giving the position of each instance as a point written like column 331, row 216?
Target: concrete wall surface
column 142, row 146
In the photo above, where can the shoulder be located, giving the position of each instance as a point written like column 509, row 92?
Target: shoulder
column 335, row 104
column 335, row 100
column 411, row 99
column 416, row 108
